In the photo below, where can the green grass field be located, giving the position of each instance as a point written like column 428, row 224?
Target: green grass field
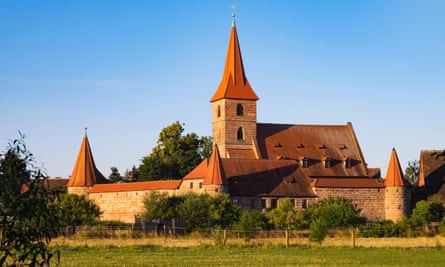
column 250, row 256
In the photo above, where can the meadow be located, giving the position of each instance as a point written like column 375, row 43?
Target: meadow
column 189, row 252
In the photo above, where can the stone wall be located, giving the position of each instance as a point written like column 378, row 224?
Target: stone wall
column 371, row 201
column 122, row 206
column 78, row 190
column 397, row 203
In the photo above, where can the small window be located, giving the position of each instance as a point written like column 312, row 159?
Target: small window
column 239, row 110
column 304, row 203
column 240, row 134
column 347, row 163
column 200, row 185
column 273, row 203
column 218, row 112
column 191, row 185
column 252, row 204
column 327, row 163
column 263, row 203
column 292, row 201
column 304, row 163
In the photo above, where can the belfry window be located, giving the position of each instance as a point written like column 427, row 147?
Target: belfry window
column 239, row 110
column 240, row 134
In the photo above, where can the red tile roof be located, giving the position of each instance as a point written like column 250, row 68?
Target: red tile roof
column 136, row 186
column 215, row 174
column 199, row 172
column 394, row 173
column 432, row 173
column 241, row 153
column 234, row 84
column 314, row 143
column 85, row 172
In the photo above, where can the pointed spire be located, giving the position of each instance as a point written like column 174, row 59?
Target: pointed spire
column 234, row 84
column 85, row 172
column 394, row 174
column 215, row 173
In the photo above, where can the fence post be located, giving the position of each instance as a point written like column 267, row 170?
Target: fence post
column 225, row 236
column 353, row 237
column 287, row 237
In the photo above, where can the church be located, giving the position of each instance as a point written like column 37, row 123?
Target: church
column 259, row 164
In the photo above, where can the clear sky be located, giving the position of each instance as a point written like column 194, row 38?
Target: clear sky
column 127, row 69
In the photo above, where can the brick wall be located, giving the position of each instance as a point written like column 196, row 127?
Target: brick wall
column 371, row 201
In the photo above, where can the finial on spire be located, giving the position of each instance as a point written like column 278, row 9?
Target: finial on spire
column 233, row 16
column 86, row 129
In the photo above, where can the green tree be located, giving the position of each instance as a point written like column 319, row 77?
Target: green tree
column 426, row 212
column 161, row 206
column 250, row 221
column 335, row 212
column 115, row 175
column 223, row 212
column 412, row 172
column 317, row 230
column 285, row 216
column 77, row 210
column 175, row 154
column 195, row 211
column 28, row 217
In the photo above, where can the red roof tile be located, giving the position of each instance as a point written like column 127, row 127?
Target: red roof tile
column 394, row 174
column 136, row 186
column 199, row 171
column 85, row 172
column 241, row 153
column 432, row 173
column 234, row 84
column 215, row 174
column 349, row 182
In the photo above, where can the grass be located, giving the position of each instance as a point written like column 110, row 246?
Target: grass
column 233, row 255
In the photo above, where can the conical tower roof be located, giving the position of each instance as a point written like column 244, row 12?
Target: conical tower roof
column 215, row 172
column 234, row 84
column 85, row 172
column 394, row 174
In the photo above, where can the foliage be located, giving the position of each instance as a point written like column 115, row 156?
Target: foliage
column 285, row 216
column 175, row 154
column 318, row 230
column 115, row 175
column 412, row 172
column 75, row 210
column 223, row 212
column 387, row 228
column 335, row 212
column 160, row 206
column 426, row 212
column 195, row 211
column 28, row 217
column 250, row 221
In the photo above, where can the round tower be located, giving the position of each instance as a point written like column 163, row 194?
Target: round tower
column 397, row 191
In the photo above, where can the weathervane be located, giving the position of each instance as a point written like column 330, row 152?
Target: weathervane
column 233, row 15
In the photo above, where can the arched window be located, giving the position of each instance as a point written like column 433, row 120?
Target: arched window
column 239, row 134
column 218, row 112
column 239, row 110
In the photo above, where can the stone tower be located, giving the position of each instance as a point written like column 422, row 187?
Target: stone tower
column 85, row 174
column 397, row 191
column 234, row 107
column 215, row 182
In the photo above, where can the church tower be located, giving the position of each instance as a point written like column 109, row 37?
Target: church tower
column 234, row 107
column 397, row 191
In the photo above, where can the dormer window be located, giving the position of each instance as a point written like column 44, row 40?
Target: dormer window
column 347, row 162
column 239, row 110
column 304, row 162
column 326, row 162
column 240, row 134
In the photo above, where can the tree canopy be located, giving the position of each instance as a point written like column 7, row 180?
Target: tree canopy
column 175, row 154
column 28, row 216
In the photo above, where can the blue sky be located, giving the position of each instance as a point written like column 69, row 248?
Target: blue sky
column 127, row 69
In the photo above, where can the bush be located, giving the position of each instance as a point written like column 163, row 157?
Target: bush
column 317, row 231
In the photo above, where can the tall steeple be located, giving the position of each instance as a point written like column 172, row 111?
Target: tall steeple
column 85, row 173
column 234, row 83
column 234, row 106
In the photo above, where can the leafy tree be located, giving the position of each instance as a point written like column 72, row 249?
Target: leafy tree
column 317, row 230
column 335, row 212
column 250, row 221
column 195, row 211
column 285, row 216
column 427, row 212
column 28, row 217
column 223, row 212
column 412, row 172
column 76, row 210
column 115, row 175
column 175, row 154
column 160, row 206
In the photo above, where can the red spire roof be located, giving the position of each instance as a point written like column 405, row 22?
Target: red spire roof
column 85, row 172
column 394, row 174
column 234, row 83
column 215, row 172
